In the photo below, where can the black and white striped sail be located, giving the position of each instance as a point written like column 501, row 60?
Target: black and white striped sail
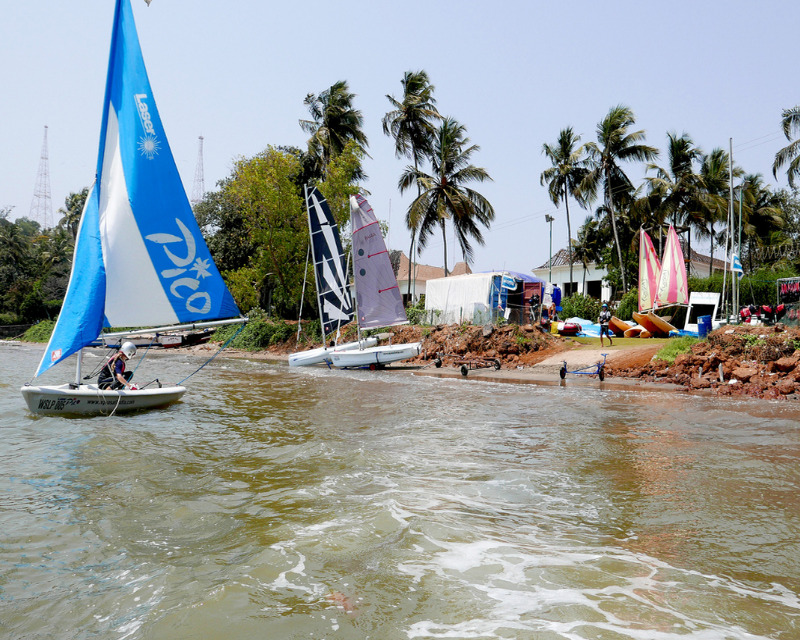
column 333, row 294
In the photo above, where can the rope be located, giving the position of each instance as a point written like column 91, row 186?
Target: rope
column 214, row 356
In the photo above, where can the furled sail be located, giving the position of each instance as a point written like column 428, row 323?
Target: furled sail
column 140, row 258
column 649, row 271
column 673, row 287
column 380, row 303
column 333, row 294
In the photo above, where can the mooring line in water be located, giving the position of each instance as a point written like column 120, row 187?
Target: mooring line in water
column 241, row 327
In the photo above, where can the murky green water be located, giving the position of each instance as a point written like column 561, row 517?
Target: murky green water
column 278, row 503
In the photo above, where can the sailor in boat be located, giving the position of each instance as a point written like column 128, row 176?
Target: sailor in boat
column 603, row 320
column 113, row 374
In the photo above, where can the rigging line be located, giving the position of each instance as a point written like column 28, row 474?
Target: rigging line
column 241, row 327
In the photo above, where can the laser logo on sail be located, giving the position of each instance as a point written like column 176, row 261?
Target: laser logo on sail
column 148, row 143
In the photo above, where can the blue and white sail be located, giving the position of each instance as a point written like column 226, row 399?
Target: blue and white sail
column 333, row 294
column 140, row 258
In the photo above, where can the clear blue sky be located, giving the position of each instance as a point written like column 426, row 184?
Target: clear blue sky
column 513, row 72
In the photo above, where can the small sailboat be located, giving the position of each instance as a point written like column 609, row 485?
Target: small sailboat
column 673, row 288
column 334, row 301
column 649, row 271
column 378, row 299
column 140, row 259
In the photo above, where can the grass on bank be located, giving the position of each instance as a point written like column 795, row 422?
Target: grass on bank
column 671, row 348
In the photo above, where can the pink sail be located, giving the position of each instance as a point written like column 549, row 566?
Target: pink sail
column 673, row 287
column 649, row 271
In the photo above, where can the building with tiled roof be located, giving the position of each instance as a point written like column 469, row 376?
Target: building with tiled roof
column 422, row 273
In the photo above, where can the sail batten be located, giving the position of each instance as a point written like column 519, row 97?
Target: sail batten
column 140, row 257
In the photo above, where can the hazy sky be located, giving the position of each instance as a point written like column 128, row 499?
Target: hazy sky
column 514, row 73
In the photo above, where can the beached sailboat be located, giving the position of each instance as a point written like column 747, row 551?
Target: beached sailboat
column 673, row 286
column 334, row 301
column 140, row 259
column 649, row 271
column 378, row 299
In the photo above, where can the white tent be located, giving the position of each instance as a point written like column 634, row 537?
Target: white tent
column 467, row 298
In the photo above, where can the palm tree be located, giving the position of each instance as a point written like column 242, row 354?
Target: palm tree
column 14, row 245
column 334, row 122
column 589, row 246
column 715, row 178
column 444, row 194
column 790, row 154
column 563, row 179
column 763, row 217
column 410, row 123
column 615, row 144
column 72, row 210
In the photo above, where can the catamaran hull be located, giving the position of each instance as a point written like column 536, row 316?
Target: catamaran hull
column 377, row 356
column 89, row 400
column 323, row 354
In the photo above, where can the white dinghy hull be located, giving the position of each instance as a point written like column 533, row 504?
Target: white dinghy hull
column 323, row 354
column 88, row 399
column 375, row 356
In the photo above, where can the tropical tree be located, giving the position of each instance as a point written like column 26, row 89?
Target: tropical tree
column 334, row 122
column 616, row 144
column 410, row 123
column 714, row 198
column 443, row 193
column 790, row 154
column 763, row 218
column 563, row 179
column 72, row 210
column 589, row 245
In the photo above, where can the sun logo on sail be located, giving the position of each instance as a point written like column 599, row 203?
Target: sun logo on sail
column 148, row 146
column 200, row 267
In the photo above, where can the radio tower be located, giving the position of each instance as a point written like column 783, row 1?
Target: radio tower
column 199, row 189
column 42, row 204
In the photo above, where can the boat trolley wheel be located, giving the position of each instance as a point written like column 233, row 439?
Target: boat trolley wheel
column 464, row 370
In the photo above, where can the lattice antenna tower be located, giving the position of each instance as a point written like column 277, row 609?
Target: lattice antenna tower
column 42, row 203
column 199, row 189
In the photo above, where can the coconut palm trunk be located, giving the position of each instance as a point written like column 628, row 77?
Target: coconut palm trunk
column 616, row 236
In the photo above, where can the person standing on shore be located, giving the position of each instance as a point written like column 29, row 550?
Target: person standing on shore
column 603, row 320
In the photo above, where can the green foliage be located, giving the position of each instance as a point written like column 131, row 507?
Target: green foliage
column 260, row 332
column 628, row 304
column 416, row 312
column 675, row 347
column 9, row 318
column 759, row 287
column 579, row 305
column 39, row 332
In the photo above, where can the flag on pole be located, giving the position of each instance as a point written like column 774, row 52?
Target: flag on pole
column 508, row 282
column 736, row 265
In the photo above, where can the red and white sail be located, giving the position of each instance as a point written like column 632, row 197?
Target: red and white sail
column 649, row 271
column 673, row 287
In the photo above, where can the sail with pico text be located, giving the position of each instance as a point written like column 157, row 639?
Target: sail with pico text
column 140, row 259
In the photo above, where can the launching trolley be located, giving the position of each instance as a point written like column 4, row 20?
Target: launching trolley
column 597, row 369
column 467, row 364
